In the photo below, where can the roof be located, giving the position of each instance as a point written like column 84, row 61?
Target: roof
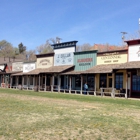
column 129, row 65
column 57, row 69
column 112, row 51
column 101, row 69
column 33, row 72
column 133, row 41
column 84, row 52
column 5, row 60
column 17, row 74
column 53, row 69
column 44, row 55
column 72, row 73
column 107, row 47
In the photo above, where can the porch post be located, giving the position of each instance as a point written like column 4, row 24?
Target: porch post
column 81, row 83
column 70, row 85
column 95, row 79
column 33, row 81
column 39, row 83
column 59, row 82
column 11, row 81
column 16, row 82
column 52, row 83
column 113, row 81
column 45, row 83
column 22, row 81
column 27, row 81
column 126, row 84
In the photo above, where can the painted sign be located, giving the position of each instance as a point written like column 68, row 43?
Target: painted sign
column 111, row 58
column 84, row 61
column 134, row 53
column 28, row 67
column 2, row 67
column 63, row 59
column 17, row 66
column 45, row 62
column 64, row 50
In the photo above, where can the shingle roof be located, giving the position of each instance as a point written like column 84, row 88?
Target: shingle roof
column 17, row 74
column 72, row 73
column 129, row 65
column 4, row 60
column 57, row 69
column 101, row 69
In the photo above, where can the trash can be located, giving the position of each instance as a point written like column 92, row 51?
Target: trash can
column 36, row 88
column 19, row 87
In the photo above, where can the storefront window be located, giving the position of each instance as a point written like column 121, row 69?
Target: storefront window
column 25, row 80
column 135, row 83
column 20, row 80
column 103, row 78
column 31, row 80
column 78, row 81
column 119, row 80
column 110, row 82
column 90, row 81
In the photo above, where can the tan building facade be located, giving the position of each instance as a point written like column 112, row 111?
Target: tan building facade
column 112, row 57
column 45, row 60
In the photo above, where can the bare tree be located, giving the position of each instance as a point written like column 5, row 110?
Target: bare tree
column 84, row 47
column 6, row 49
column 45, row 48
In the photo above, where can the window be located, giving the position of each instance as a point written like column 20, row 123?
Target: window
column 48, row 80
column 135, row 83
column 78, row 81
column 20, row 80
column 103, row 78
column 31, row 80
column 119, row 80
column 90, row 81
column 110, row 82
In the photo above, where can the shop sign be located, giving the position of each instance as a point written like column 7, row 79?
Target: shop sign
column 18, row 66
column 111, row 58
column 63, row 59
column 2, row 67
column 28, row 67
column 85, row 61
column 44, row 62
column 134, row 53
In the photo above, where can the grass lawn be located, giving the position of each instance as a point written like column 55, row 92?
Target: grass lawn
column 29, row 115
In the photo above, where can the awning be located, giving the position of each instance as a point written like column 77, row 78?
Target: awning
column 33, row 72
column 53, row 69
column 13, row 72
column 129, row 65
column 101, row 69
column 57, row 69
column 17, row 74
column 72, row 73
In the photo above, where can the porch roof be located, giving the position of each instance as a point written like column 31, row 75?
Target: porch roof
column 33, row 72
column 57, row 69
column 129, row 65
column 72, row 73
column 53, row 69
column 108, row 68
column 17, row 74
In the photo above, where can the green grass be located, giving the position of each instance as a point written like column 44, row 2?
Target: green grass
column 42, row 115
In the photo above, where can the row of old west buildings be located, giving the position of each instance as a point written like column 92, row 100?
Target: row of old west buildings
column 68, row 70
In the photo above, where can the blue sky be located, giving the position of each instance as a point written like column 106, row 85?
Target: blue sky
column 32, row 22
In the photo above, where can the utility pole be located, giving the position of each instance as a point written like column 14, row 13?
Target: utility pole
column 123, row 37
